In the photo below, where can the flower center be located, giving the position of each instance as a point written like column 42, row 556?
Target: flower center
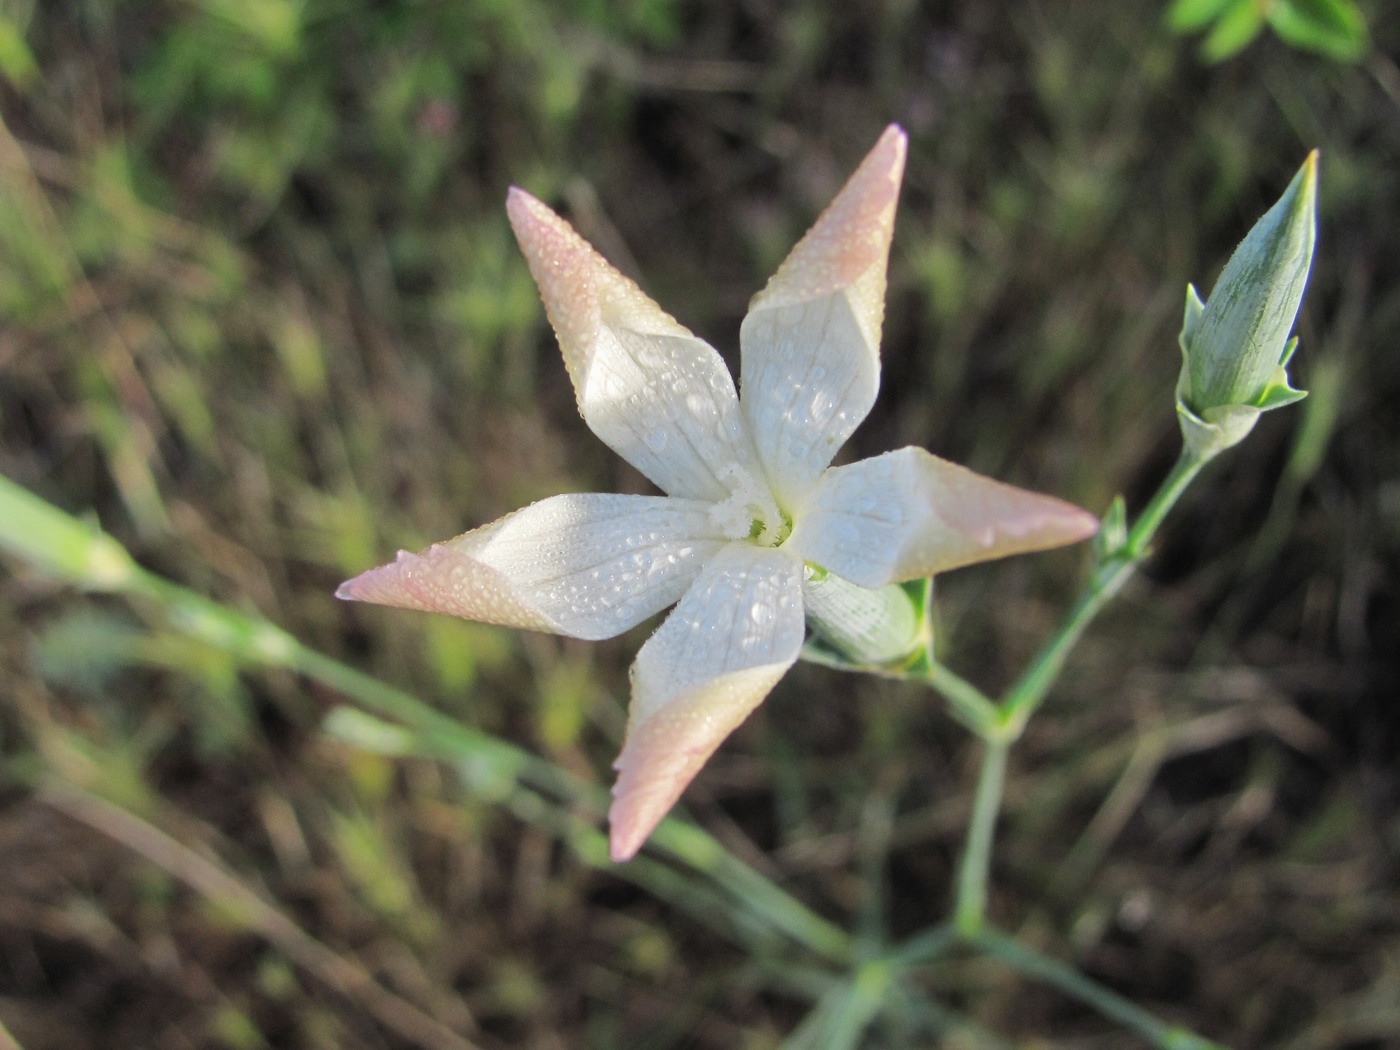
column 750, row 512
column 766, row 535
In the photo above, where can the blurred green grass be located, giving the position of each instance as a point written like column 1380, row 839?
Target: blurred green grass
column 264, row 318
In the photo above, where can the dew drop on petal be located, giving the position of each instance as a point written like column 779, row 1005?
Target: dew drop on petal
column 701, row 408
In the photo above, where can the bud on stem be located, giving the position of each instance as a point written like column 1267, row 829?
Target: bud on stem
column 867, row 627
column 1235, row 345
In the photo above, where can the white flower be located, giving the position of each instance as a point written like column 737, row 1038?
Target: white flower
column 751, row 495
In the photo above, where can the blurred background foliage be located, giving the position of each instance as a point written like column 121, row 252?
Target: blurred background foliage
column 263, row 318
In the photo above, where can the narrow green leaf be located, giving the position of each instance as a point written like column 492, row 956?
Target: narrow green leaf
column 17, row 63
column 60, row 544
column 1333, row 28
column 1234, row 31
column 1313, row 437
column 1187, row 16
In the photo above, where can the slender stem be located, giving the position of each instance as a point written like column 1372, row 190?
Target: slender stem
column 844, row 1014
column 256, row 641
column 1183, row 472
column 702, row 852
column 926, row 946
column 1067, row 979
column 970, row 911
column 519, row 780
column 1003, row 724
column 970, row 706
column 1110, row 574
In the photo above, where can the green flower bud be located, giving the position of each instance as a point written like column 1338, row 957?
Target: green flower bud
column 1236, row 345
column 862, row 627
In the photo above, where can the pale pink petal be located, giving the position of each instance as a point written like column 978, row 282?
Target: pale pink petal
column 908, row 514
column 654, row 393
column 811, row 340
column 585, row 565
column 734, row 634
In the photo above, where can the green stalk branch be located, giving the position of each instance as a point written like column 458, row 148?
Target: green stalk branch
column 1066, row 978
column 968, row 704
column 1112, row 570
column 1006, row 721
column 970, row 911
column 492, row 764
column 533, row 788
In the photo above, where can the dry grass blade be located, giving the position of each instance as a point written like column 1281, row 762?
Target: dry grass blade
column 206, row 877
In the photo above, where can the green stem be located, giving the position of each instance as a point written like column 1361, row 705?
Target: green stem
column 521, row 781
column 751, row 890
column 1067, row 979
column 926, row 946
column 969, row 705
column 1112, row 571
column 1183, row 472
column 970, row 911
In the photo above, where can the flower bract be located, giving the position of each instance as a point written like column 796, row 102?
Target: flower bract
column 753, row 510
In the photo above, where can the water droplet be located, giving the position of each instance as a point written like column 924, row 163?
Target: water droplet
column 701, row 407
column 656, row 439
column 762, row 614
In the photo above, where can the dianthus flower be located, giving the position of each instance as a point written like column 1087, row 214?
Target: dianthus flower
column 755, row 523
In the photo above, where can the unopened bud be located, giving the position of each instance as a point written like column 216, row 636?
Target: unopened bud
column 1236, row 345
column 865, row 627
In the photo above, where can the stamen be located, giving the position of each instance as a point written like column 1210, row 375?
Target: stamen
column 750, row 510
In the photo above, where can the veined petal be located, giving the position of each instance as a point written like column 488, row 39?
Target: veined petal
column 908, row 514
column 653, row 392
column 586, row 565
column 811, row 340
column 734, row 634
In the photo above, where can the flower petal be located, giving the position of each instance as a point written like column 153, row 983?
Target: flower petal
column 908, row 514
column 586, row 565
column 811, row 340
column 734, row 634
column 653, row 392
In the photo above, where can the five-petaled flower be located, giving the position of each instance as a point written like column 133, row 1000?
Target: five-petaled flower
column 754, row 510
